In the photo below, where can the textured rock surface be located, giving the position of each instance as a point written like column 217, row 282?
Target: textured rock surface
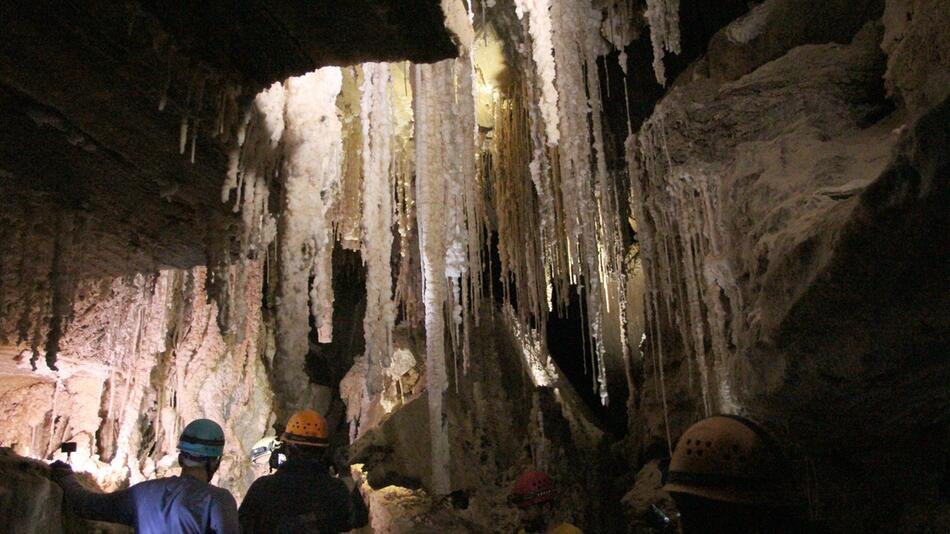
column 918, row 52
column 773, row 27
column 138, row 357
column 30, row 502
column 791, row 237
column 500, row 423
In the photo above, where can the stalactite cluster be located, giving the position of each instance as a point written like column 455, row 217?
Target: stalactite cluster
column 435, row 186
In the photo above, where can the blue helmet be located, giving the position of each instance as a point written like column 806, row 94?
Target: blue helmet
column 202, row 437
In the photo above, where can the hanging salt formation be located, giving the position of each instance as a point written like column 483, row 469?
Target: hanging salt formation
column 618, row 29
column 679, row 231
column 517, row 210
column 542, row 52
column 444, row 154
column 430, row 90
column 664, row 19
column 252, row 165
column 408, row 292
column 377, row 125
column 577, row 206
column 583, row 231
column 313, row 153
column 348, row 219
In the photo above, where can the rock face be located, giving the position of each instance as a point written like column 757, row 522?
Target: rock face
column 31, row 502
column 139, row 357
column 791, row 240
column 510, row 412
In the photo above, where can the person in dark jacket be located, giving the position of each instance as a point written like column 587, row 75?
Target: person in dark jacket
column 186, row 504
column 302, row 496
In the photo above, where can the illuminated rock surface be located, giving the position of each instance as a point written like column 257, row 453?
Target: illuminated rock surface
column 479, row 238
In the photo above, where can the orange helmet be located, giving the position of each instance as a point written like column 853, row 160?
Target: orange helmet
column 730, row 459
column 533, row 487
column 307, row 428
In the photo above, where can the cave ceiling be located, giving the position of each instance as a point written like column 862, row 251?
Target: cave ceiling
column 94, row 97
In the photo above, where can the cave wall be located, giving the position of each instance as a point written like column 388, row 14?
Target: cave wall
column 786, row 194
column 511, row 410
column 119, row 363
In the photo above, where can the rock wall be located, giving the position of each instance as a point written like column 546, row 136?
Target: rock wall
column 31, row 502
column 512, row 410
column 787, row 201
column 119, row 361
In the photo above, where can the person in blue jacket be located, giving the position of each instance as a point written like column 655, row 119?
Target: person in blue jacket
column 185, row 504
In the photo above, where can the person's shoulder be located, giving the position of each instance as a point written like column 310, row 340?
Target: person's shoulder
column 222, row 495
column 153, row 483
column 261, row 484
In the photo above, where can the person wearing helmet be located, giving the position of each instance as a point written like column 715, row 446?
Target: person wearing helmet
column 728, row 475
column 535, row 495
column 302, row 496
column 186, row 504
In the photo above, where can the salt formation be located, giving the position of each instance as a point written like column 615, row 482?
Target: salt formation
column 348, row 219
column 521, row 225
column 432, row 92
column 545, row 169
column 576, row 237
column 313, row 155
column 618, row 29
column 408, row 291
column 664, row 19
column 542, row 52
column 377, row 125
column 143, row 356
column 252, row 165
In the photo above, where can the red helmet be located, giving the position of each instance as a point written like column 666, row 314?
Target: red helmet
column 533, row 487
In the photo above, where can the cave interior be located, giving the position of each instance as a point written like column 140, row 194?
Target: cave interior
column 480, row 237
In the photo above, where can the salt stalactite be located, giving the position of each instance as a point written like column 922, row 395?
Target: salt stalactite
column 677, row 209
column 517, row 209
column 408, row 292
column 573, row 26
column 541, row 177
column 542, row 52
column 473, row 196
column 664, row 19
column 252, row 166
column 433, row 92
column 462, row 254
column 377, row 126
column 618, row 29
column 349, row 217
column 313, row 154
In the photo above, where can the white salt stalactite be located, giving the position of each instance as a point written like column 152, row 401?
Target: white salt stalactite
column 348, row 219
column 573, row 45
column 663, row 17
column 252, row 165
column 461, row 219
column 408, row 292
column 313, row 154
column 542, row 52
column 432, row 93
column 377, row 126
column 540, row 169
column 474, row 207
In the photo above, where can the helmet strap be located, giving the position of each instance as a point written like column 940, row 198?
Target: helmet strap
column 209, row 471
